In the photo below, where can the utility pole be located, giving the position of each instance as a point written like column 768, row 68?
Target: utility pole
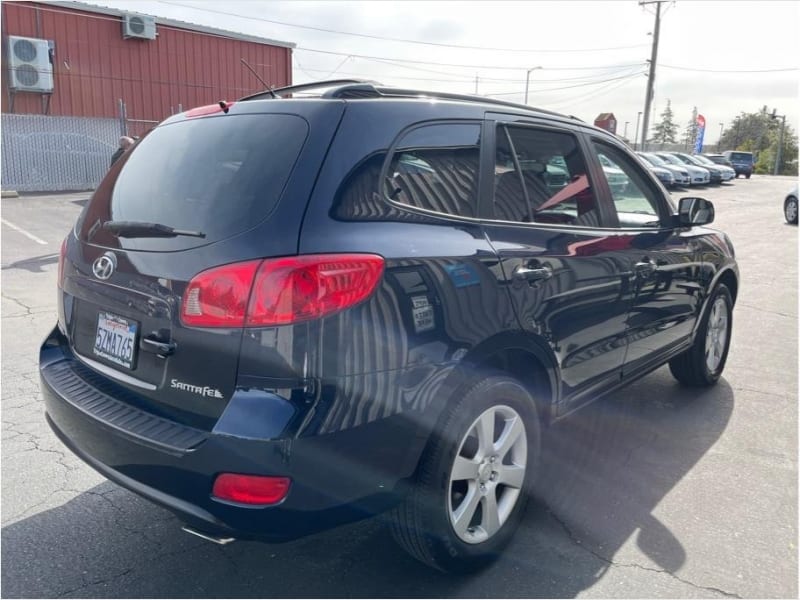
column 636, row 135
column 625, row 131
column 719, row 141
column 476, row 84
column 651, row 78
column 779, row 154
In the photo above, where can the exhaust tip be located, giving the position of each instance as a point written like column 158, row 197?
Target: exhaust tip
column 222, row 541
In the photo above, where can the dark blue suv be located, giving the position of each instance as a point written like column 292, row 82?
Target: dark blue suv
column 328, row 301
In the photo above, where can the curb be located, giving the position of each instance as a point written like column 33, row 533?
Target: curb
column 9, row 194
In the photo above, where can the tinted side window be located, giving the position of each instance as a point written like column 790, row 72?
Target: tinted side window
column 435, row 167
column 540, row 177
column 634, row 199
column 358, row 199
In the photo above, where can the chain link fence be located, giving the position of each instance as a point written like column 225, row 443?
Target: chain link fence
column 47, row 154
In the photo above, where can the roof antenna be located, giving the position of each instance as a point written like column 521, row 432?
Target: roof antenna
column 265, row 84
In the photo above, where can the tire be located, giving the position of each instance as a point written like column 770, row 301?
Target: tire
column 694, row 368
column 443, row 522
column 747, row 176
column 790, row 210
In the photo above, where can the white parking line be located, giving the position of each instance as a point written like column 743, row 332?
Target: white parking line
column 25, row 233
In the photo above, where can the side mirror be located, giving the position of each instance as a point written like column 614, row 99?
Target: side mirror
column 695, row 211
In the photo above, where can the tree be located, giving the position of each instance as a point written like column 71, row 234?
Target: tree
column 758, row 133
column 665, row 131
column 690, row 134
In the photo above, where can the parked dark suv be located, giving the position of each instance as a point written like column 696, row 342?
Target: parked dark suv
column 281, row 314
column 742, row 162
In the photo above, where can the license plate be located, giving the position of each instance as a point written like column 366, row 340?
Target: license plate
column 116, row 339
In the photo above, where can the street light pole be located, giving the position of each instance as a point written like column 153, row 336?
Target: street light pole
column 719, row 141
column 528, row 80
column 636, row 135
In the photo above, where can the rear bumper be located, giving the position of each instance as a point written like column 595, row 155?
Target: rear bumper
column 743, row 170
column 336, row 478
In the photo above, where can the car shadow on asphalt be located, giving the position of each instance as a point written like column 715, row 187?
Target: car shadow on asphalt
column 35, row 264
column 604, row 471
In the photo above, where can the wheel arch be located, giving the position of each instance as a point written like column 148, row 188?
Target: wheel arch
column 731, row 281
column 523, row 356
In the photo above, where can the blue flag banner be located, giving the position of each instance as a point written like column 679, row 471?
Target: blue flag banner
column 701, row 129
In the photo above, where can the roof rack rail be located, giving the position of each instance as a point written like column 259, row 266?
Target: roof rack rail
column 365, row 88
column 406, row 93
column 305, row 87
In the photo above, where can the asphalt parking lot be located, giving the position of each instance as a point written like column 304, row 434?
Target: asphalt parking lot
column 656, row 491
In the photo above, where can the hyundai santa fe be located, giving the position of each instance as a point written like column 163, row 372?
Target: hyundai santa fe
column 285, row 313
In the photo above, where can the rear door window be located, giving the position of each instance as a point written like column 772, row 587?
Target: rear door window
column 541, row 177
column 219, row 176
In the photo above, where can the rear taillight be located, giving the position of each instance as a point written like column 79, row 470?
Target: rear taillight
column 218, row 297
column 250, row 489
column 280, row 291
column 301, row 288
column 62, row 255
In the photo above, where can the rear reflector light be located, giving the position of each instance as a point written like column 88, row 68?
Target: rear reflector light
column 251, row 489
column 62, row 255
column 280, row 291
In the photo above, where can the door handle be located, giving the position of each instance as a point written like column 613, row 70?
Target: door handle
column 532, row 274
column 157, row 347
column 645, row 268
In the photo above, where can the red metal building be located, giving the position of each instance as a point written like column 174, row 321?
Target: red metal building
column 100, row 55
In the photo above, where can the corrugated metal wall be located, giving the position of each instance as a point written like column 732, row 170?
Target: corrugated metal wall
column 95, row 67
column 56, row 153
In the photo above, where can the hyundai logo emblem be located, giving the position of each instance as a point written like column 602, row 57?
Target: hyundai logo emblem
column 104, row 266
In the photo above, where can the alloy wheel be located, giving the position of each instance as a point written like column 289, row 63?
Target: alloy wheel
column 791, row 210
column 488, row 474
column 716, row 334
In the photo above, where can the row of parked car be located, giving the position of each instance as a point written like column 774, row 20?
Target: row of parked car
column 680, row 169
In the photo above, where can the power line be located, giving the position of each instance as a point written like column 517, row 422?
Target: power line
column 461, row 65
column 609, row 70
column 731, row 71
column 441, row 80
column 230, row 35
column 569, row 87
column 595, row 94
column 393, row 39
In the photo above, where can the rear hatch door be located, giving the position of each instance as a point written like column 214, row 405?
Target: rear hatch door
column 195, row 193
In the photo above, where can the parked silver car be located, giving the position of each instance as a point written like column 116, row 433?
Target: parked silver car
column 663, row 174
column 680, row 174
column 697, row 175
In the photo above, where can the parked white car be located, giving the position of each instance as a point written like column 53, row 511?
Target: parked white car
column 698, row 175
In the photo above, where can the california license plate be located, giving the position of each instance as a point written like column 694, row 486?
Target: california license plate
column 116, row 339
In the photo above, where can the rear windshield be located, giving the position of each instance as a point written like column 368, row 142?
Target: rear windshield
column 743, row 156
column 215, row 175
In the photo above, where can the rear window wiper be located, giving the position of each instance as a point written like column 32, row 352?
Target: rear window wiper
column 133, row 229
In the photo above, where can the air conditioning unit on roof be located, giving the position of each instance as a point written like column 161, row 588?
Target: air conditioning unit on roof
column 138, row 26
column 30, row 69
